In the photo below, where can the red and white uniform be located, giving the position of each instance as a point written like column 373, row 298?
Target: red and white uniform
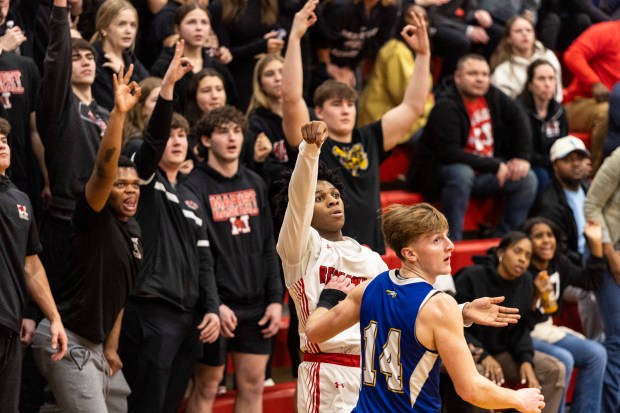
column 329, row 377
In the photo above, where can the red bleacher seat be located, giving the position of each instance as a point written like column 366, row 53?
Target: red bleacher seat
column 479, row 210
column 436, row 64
column 395, row 167
column 483, row 211
column 465, row 250
column 461, row 256
column 390, row 259
column 400, row 197
column 569, row 317
column 584, row 136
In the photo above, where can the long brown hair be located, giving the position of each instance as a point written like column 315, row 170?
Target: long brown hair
column 504, row 52
column 192, row 111
column 269, row 11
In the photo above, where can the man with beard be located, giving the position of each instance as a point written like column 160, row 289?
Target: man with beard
column 476, row 142
column 562, row 202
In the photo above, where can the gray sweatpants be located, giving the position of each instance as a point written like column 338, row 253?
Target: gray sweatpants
column 80, row 381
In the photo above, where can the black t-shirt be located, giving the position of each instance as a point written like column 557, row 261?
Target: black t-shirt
column 18, row 93
column 105, row 259
column 358, row 164
column 18, row 239
column 351, row 32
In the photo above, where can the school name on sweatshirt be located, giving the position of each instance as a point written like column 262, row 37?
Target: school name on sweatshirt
column 326, row 273
column 233, row 204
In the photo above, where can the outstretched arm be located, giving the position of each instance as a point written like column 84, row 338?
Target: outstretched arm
column 397, row 121
column 55, row 87
column 158, row 129
column 486, row 311
column 441, row 318
column 100, row 183
column 294, row 108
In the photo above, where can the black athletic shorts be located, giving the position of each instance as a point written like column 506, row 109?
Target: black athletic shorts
column 248, row 338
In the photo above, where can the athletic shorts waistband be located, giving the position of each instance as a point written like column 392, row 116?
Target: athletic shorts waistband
column 349, row 360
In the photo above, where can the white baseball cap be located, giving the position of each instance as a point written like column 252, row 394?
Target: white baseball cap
column 565, row 146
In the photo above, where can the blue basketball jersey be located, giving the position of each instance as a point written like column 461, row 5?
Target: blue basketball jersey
column 398, row 373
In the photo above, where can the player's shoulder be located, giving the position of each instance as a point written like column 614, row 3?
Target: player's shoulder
column 439, row 306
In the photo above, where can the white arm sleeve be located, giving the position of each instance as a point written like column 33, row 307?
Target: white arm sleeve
column 297, row 239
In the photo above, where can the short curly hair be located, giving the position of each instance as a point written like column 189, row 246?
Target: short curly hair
column 214, row 119
column 324, row 174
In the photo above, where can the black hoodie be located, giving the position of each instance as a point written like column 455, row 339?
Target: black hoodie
column 483, row 280
column 177, row 265
column 545, row 131
column 70, row 130
column 241, row 235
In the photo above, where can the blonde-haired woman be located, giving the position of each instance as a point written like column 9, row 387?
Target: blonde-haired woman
column 117, row 26
column 515, row 52
column 265, row 109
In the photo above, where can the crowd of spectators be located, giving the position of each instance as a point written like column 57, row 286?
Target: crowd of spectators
column 208, row 98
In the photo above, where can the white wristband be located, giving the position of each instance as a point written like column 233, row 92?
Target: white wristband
column 462, row 306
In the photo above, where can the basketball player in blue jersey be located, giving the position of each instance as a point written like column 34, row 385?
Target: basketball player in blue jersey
column 407, row 326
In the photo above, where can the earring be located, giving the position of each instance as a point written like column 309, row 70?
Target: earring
column 104, row 34
column 500, row 259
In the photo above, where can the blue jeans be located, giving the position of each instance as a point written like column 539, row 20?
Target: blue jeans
column 590, row 358
column 543, row 175
column 459, row 182
column 609, row 304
